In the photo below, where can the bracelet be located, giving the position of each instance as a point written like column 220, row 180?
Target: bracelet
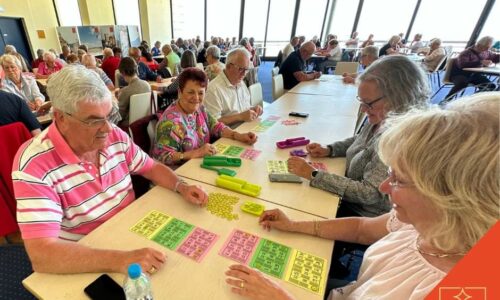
column 179, row 182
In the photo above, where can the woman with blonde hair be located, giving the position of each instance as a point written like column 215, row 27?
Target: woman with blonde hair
column 444, row 185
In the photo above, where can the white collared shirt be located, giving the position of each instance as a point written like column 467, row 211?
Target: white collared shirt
column 224, row 99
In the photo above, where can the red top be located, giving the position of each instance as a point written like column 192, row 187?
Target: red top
column 110, row 65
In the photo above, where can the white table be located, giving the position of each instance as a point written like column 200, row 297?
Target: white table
column 327, row 85
column 181, row 277
column 493, row 70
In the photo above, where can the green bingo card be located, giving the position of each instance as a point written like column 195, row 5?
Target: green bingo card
column 173, row 233
column 271, row 258
column 233, row 150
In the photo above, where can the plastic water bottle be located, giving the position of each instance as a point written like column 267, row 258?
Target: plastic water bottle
column 137, row 285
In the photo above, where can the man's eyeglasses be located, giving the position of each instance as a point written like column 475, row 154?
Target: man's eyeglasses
column 368, row 105
column 92, row 123
column 241, row 70
column 396, row 183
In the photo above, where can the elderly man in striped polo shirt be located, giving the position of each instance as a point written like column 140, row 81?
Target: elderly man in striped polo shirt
column 76, row 175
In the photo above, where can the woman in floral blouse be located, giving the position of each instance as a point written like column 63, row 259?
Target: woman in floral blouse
column 185, row 128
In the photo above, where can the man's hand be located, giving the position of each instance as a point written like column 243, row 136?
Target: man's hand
column 193, row 194
column 248, row 138
column 151, row 260
column 248, row 116
column 258, row 110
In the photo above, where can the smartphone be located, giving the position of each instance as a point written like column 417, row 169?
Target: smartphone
column 298, row 114
column 284, row 178
column 105, row 288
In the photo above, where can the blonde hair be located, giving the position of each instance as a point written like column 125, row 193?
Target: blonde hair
column 11, row 59
column 452, row 157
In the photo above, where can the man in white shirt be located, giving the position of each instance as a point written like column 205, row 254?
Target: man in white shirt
column 290, row 47
column 228, row 98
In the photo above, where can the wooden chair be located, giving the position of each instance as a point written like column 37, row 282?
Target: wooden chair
column 256, row 97
column 346, row 67
column 278, row 89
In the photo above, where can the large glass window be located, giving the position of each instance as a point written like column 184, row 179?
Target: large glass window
column 223, row 18
column 254, row 23
column 450, row 20
column 188, row 18
column 127, row 12
column 68, row 12
column 343, row 17
column 385, row 18
column 280, row 25
column 310, row 21
column 493, row 23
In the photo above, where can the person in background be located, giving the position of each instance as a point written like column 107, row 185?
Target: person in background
column 143, row 70
column 170, row 60
column 329, row 37
column 81, row 53
column 392, row 46
column 39, row 58
column 434, row 57
column 147, row 58
column 476, row 56
column 88, row 60
column 430, row 227
column 135, row 85
column 156, row 51
column 316, row 41
column 66, row 51
column 402, row 40
column 245, row 44
column 333, row 55
column 352, row 43
column 18, row 84
column 84, row 48
column 61, row 61
column 49, row 66
column 369, row 54
column 73, row 59
column 234, row 43
column 391, row 84
column 202, row 54
column 14, row 109
column 416, row 43
column 94, row 160
column 294, row 66
column 368, row 42
column 302, row 39
column 228, row 98
column 111, row 61
column 290, row 47
column 106, row 53
column 185, row 128
column 10, row 49
column 214, row 67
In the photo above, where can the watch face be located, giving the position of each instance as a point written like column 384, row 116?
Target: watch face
column 314, row 173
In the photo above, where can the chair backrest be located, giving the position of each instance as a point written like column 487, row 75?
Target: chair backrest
column 200, row 66
column 438, row 66
column 447, row 71
column 448, row 50
column 256, row 97
column 275, row 71
column 140, row 106
column 278, row 88
column 346, row 67
column 279, row 59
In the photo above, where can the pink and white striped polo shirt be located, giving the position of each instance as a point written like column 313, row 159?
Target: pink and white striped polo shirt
column 58, row 195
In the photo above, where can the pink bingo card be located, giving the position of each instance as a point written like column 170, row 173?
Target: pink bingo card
column 239, row 246
column 250, row 154
column 197, row 244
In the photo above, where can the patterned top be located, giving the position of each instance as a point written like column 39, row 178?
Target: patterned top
column 214, row 69
column 29, row 90
column 364, row 173
column 178, row 132
column 43, row 69
column 59, row 195
column 393, row 268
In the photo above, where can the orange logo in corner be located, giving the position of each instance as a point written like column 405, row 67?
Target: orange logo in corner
column 462, row 293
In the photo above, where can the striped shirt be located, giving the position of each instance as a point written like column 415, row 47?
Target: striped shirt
column 59, row 195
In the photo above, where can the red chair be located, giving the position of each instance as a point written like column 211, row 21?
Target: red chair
column 12, row 137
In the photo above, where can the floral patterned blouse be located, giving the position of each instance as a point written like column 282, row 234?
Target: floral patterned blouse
column 178, row 132
column 214, row 69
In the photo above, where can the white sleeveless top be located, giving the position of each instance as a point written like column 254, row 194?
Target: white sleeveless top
column 393, row 268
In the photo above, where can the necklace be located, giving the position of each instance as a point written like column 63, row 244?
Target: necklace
column 438, row 255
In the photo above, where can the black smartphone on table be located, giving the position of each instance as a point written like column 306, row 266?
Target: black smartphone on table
column 298, row 114
column 104, row 288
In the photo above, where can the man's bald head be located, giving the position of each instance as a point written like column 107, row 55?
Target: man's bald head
column 307, row 50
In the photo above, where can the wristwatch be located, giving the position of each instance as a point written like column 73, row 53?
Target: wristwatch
column 314, row 173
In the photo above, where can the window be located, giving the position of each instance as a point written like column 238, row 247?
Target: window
column 223, row 18
column 68, row 12
column 385, row 18
column 189, row 18
column 310, row 20
column 492, row 23
column 450, row 20
column 280, row 25
column 127, row 12
column 254, row 23
column 343, row 17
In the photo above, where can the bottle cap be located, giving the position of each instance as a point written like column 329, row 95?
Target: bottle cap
column 134, row 271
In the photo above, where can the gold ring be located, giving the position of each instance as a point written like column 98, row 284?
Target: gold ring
column 242, row 284
column 152, row 270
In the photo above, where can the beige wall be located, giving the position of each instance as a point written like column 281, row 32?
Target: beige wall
column 97, row 12
column 156, row 21
column 38, row 15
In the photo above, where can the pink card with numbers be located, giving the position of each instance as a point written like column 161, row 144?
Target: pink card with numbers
column 197, row 244
column 250, row 154
column 239, row 246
